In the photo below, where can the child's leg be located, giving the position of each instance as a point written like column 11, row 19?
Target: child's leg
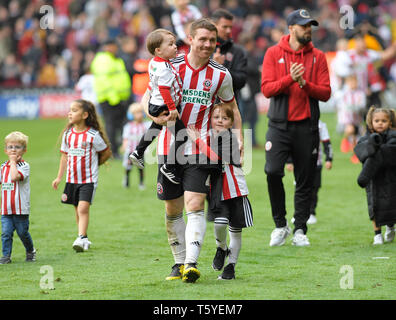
column 315, row 189
column 220, row 230
column 126, row 178
column 235, row 244
column 377, row 230
column 147, row 138
column 7, row 231
column 22, row 228
column 141, row 176
column 82, row 211
column 179, row 141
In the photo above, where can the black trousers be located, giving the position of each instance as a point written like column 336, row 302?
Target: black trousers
column 302, row 144
column 115, row 118
column 317, row 182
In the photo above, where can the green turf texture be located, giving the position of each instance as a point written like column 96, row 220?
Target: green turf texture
column 130, row 256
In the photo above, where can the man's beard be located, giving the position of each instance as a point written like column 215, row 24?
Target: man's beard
column 304, row 40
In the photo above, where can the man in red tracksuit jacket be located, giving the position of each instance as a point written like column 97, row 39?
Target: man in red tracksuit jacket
column 295, row 77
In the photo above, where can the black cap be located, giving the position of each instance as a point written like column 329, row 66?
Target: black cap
column 300, row 17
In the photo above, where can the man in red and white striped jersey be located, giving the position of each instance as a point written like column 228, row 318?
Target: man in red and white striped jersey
column 204, row 80
column 15, row 197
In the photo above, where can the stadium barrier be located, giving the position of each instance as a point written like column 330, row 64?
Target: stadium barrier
column 36, row 103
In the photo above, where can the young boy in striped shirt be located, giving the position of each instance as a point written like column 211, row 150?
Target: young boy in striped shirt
column 15, row 197
column 165, row 96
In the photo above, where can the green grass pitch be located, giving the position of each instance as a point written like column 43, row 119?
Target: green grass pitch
column 130, row 256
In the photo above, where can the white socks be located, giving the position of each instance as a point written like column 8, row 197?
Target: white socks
column 220, row 227
column 176, row 230
column 235, row 244
column 195, row 233
column 186, row 240
column 220, row 230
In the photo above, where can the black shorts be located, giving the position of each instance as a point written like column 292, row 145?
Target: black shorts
column 238, row 211
column 75, row 192
column 155, row 110
column 196, row 177
column 167, row 190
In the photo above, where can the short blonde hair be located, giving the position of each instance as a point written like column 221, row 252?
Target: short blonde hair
column 17, row 136
column 135, row 107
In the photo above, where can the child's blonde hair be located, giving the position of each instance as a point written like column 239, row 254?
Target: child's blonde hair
column 17, row 136
column 373, row 110
column 134, row 107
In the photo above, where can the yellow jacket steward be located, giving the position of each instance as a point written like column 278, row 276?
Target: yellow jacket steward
column 112, row 82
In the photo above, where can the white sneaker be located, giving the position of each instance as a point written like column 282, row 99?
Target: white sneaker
column 378, row 239
column 300, row 239
column 279, row 235
column 389, row 234
column 87, row 244
column 78, row 244
column 312, row 219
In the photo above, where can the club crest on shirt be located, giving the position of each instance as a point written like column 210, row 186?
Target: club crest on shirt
column 207, row 84
column 84, row 144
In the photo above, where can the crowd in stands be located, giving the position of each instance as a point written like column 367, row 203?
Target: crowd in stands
column 35, row 56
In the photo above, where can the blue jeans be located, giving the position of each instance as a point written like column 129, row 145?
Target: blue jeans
column 20, row 223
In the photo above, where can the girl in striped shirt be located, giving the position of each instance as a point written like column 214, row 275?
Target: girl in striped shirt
column 84, row 148
column 228, row 204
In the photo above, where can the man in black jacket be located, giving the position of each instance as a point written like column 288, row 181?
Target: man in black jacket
column 227, row 53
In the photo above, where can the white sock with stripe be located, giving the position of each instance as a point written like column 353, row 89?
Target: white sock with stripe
column 195, row 233
column 235, row 244
column 176, row 230
column 220, row 230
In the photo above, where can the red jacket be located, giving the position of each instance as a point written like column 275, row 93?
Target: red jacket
column 289, row 101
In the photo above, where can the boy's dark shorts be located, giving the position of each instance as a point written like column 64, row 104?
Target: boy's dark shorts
column 75, row 192
column 155, row 110
column 237, row 210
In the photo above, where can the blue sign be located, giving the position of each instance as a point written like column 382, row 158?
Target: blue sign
column 20, row 106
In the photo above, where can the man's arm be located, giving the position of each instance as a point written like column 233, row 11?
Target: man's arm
column 162, row 119
column 322, row 90
column 270, row 84
column 104, row 155
column 239, row 70
column 237, row 123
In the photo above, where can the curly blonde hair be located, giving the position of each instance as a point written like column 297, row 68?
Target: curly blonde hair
column 17, row 136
